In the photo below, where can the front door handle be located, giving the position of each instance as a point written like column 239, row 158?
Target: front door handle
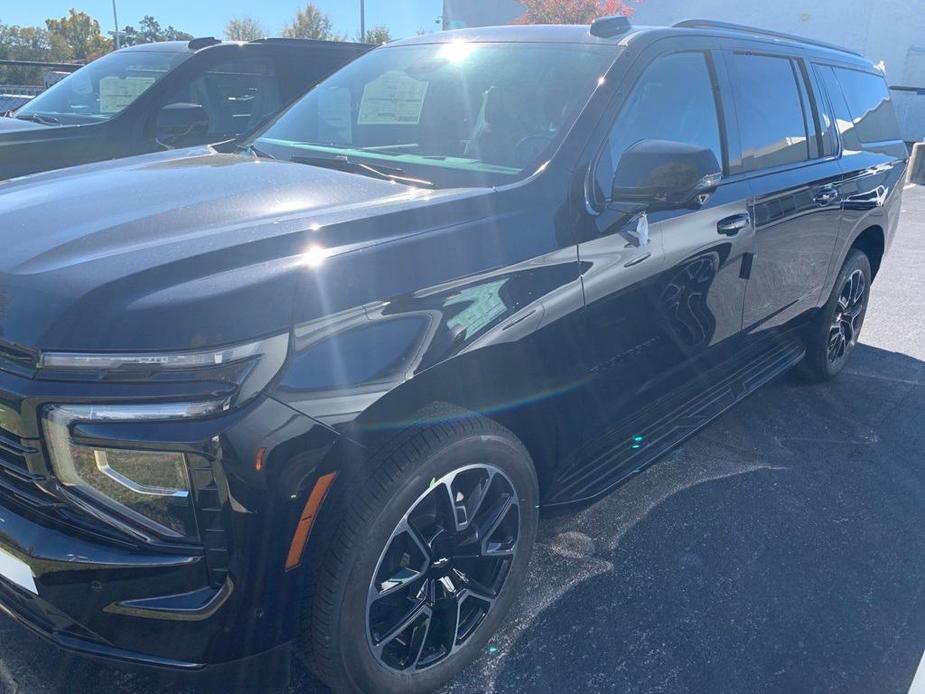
column 826, row 196
column 730, row 226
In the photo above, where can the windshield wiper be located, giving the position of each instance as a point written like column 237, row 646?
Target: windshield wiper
column 344, row 163
column 39, row 118
column 253, row 149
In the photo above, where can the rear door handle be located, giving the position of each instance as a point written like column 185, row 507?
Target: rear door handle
column 826, row 196
column 730, row 226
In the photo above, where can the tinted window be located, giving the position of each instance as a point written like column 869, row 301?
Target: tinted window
column 869, row 104
column 770, row 113
column 825, row 116
column 839, row 106
column 238, row 95
column 673, row 100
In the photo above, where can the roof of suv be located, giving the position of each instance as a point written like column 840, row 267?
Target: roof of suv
column 533, row 33
column 581, row 34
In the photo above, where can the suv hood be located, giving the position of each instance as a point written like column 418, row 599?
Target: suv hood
column 169, row 251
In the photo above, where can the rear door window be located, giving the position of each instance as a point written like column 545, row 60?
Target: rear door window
column 770, row 108
column 869, row 103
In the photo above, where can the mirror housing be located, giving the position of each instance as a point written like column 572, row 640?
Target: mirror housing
column 181, row 123
column 665, row 175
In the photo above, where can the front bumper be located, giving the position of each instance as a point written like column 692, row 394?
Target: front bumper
column 76, row 584
column 266, row 671
column 223, row 609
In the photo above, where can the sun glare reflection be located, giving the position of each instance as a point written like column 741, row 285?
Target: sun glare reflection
column 457, row 51
column 314, row 256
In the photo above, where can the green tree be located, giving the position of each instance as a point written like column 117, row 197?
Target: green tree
column 28, row 43
column 243, row 29
column 376, row 36
column 311, row 23
column 150, row 31
column 81, row 34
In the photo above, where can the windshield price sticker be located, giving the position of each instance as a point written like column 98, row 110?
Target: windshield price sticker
column 118, row 92
column 392, row 99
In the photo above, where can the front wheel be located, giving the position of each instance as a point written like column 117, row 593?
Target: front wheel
column 834, row 334
column 428, row 560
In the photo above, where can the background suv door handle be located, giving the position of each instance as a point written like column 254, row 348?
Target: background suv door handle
column 826, row 196
column 730, row 226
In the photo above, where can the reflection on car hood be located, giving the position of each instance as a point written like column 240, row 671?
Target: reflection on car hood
column 169, row 250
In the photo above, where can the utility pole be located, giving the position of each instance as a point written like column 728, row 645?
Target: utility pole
column 362, row 21
column 115, row 20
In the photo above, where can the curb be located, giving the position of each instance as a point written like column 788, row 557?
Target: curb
column 917, row 164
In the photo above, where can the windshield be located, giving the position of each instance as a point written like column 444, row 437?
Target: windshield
column 104, row 88
column 453, row 113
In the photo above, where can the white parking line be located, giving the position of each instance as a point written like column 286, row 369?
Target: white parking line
column 918, row 682
column 908, row 186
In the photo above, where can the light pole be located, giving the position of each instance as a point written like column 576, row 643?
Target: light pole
column 362, row 21
column 115, row 20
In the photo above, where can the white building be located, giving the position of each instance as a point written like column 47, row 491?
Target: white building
column 888, row 32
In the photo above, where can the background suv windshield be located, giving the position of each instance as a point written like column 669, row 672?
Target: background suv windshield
column 451, row 110
column 103, row 88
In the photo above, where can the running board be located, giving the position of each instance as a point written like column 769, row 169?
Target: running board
column 639, row 441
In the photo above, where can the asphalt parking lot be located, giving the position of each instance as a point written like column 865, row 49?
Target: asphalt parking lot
column 781, row 550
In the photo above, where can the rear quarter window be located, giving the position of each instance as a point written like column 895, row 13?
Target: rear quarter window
column 869, row 104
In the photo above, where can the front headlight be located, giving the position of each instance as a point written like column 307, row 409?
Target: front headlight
column 251, row 366
column 149, row 487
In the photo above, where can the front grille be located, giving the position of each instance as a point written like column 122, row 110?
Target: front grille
column 16, row 359
column 13, row 452
column 16, row 480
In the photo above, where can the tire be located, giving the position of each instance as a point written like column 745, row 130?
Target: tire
column 389, row 531
column 833, row 334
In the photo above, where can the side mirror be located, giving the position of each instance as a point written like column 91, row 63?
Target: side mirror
column 179, row 124
column 665, row 175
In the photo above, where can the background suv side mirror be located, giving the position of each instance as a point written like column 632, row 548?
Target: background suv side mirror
column 665, row 175
column 180, row 124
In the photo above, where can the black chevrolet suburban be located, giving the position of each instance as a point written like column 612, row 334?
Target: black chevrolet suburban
column 307, row 393
column 164, row 95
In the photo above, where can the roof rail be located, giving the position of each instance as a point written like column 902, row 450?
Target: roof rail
column 729, row 26
column 202, row 42
column 608, row 27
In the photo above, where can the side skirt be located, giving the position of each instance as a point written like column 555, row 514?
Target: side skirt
column 636, row 443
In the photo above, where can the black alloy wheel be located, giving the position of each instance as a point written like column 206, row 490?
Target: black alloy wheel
column 443, row 568
column 427, row 558
column 833, row 334
column 848, row 317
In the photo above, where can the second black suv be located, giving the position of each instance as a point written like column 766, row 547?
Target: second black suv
column 162, row 95
column 310, row 393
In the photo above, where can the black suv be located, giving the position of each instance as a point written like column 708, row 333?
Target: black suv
column 164, row 95
column 309, row 392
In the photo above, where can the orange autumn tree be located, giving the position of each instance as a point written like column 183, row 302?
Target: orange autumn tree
column 570, row 11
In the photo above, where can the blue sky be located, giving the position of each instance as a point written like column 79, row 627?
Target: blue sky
column 207, row 17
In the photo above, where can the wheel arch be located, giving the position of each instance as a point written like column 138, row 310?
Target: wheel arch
column 531, row 420
column 872, row 243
